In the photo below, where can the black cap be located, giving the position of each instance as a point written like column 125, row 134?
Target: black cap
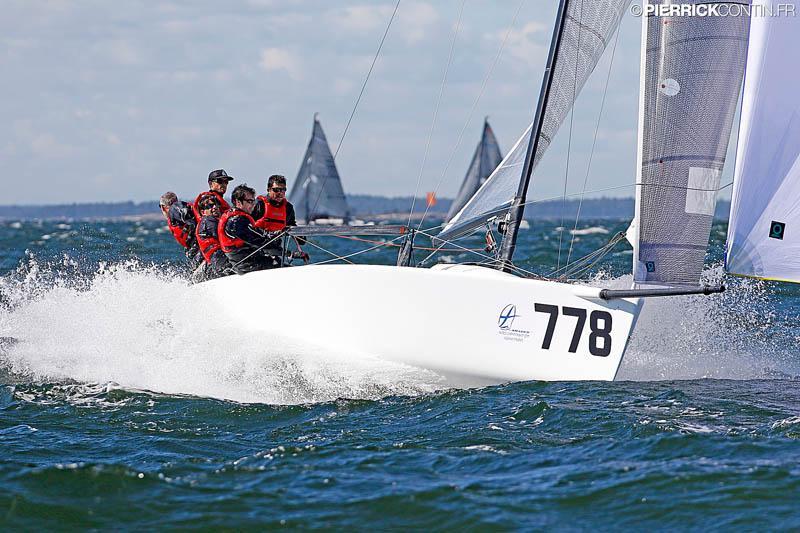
column 219, row 175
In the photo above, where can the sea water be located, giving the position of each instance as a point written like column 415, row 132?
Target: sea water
column 119, row 409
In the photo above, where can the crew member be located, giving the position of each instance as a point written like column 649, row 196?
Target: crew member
column 181, row 222
column 244, row 244
column 216, row 262
column 217, row 186
column 274, row 212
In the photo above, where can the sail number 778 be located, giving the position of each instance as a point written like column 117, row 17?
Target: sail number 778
column 599, row 328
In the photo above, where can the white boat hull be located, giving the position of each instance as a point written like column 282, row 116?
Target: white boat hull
column 472, row 325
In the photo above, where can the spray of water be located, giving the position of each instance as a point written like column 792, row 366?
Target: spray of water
column 147, row 329
column 738, row 334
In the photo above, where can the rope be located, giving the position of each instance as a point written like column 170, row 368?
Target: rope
column 345, row 257
column 472, row 110
column 594, row 142
column 436, row 112
column 399, row 245
column 336, row 256
column 358, row 100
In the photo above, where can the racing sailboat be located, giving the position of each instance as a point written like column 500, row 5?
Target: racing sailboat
column 491, row 323
column 317, row 193
column 485, row 159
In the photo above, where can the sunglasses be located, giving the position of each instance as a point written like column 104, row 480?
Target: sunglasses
column 278, row 189
column 248, row 201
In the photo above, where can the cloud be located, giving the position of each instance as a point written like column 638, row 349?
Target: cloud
column 363, row 17
column 122, row 52
column 46, row 145
column 416, row 18
column 276, row 59
column 528, row 44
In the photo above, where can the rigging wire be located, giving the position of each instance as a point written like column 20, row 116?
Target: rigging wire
column 569, row 138
column 594, row 143
column 436, row 112
column 358, row 99
column 474, row 106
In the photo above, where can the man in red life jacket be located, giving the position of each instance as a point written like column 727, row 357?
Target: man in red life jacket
column 216, row 262
column 244, row 244
column 274, row 212
column 217, row 186
column 181, row 223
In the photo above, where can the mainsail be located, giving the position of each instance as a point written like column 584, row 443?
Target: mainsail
column 485, row 159
column 317, row 192
column 764, row 228
column 690, row 81
column 588, row 27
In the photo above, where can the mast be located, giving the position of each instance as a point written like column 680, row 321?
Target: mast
column 518, row 204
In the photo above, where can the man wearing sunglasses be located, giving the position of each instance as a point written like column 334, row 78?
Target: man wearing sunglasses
column 274, row 212
column 247, row 247
column 217, row 186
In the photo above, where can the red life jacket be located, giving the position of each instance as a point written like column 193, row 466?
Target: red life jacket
column 208, row 245
column 179, row 232
column 223, row 205
column 228, row 244
column 274, row 218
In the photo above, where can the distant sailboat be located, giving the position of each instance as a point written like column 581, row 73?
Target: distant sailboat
column 317, row 193
column 485, row 159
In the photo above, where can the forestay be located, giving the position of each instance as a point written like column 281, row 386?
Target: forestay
column 317, row 192
column 764, row 229
column 588, row 27
column 691, row 76
column 485, row 159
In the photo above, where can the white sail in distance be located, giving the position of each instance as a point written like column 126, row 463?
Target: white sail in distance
column 588, row 28
column 692, row 69
column 485, row 159
column 764, row 227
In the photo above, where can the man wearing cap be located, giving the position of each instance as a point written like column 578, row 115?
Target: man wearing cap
column 181, row 222
column 217, row 186
column 245, row 245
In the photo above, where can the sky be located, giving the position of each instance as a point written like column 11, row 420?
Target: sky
column 116, row 101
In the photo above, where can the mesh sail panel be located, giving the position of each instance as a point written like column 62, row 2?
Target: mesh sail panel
column 317, row 192
column 486, row 158
column 693, row 68
column 764, row 228
column 588, row 27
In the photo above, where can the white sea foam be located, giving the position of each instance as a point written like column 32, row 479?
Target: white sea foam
column 145, row 329
column 724, row 336
column 594, row 230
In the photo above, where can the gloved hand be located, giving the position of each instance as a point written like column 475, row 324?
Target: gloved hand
column 301, row 255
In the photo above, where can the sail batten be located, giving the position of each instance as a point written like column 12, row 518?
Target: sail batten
column 317, row 191
column 692, row 69
column 763, row 236
column 587, row 29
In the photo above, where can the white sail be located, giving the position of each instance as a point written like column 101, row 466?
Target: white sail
column 764, row 228
column 692, row 72
column 588, row 28
column 486, row 158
